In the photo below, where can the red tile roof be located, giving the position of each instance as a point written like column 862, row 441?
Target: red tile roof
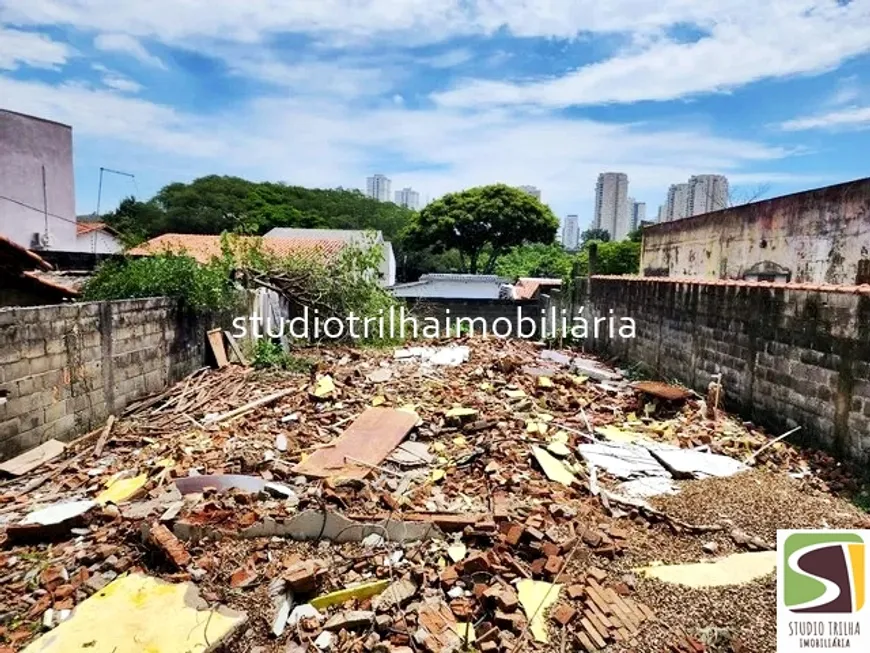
column 13, row 255
column 205, row 247
column 528, row 287
column 83, row 228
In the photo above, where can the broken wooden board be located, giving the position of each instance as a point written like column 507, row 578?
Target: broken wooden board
column 216, row 342
column 236, row 349
column 32, row 459
column 364, row 445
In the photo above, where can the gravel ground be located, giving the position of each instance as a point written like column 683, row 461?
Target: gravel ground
column 759, row 502
column 746, row 613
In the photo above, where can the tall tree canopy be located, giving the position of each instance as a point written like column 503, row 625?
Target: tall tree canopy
column 483, row 223
column 594, row 234
column 214, row 204
column 536, row 260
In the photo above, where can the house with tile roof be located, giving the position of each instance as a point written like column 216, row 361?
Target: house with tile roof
column 204, row 248
column 97, row 238
column 355, row 237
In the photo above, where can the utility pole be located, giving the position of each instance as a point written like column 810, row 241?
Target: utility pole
column 100, row 197
column 100, row 188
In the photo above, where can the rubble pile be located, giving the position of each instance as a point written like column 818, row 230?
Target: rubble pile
column 490, row 496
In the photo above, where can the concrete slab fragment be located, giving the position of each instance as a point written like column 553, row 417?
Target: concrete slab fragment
column 623, row 460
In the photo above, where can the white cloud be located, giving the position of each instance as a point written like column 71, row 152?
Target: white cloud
column 448, row 59
column 19, row 48
column 120, row 43
column 408, row 20
column 318, row 142
column 770, row 40
column 104, row 114
column 340, row 79
column 852, row 118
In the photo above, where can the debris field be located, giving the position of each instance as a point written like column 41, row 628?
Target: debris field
column 485, row 495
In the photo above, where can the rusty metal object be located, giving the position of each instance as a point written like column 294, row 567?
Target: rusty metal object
column 663, row 390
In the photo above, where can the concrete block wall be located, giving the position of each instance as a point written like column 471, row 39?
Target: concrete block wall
column 65, row 368
column 789, row 354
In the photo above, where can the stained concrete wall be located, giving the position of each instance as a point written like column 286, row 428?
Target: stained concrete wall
column 26, row 145
column 818, row 236
column 65, row 368
column 789, row 354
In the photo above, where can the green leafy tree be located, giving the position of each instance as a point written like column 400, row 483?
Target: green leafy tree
column 635, row 236
column 594, row 234
column 482, row 224
column 535, row 260
column 620, row 257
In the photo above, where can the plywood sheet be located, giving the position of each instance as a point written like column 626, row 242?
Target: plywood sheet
column 365, row 443
column 32, row 459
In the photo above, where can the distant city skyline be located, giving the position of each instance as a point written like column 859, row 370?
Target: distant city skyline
column 611, row 204
column 534, row 191
column 408, row 197
column 700, row 194
column 570, row 232
column 378, row 187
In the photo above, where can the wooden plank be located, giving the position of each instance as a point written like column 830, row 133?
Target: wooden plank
column 32, row 459
column 599, row 627
column 624, row 617
column 586, row 643
column 594, row 592
column 599, row 615
column 593, row 634
column 631, row 622
column 104, row 437
column 636, row 612
column 236, row 349
column 216, row 341
column 649, row 614
column 361, row 447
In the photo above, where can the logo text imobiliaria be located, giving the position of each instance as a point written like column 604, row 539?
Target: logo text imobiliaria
column 821, row 591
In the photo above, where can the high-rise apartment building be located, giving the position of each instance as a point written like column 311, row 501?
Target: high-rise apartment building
column 707, row 193
column 611, row 204
column 677, row 205
column 570, row 232
column 378, row 187
column 636, row 213
column 409, row 198
column 534, row 191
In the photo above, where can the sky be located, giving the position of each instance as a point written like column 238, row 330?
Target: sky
column 442, row 95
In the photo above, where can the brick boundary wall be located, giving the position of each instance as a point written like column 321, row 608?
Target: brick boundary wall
column 789, row 354
column 65, row 368
column 488, row 310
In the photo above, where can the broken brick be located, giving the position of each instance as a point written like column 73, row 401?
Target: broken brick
column 553, row 565
column 563, row 613
column 170, row 545
column 514, row 534
column 596, row 573
column 592, row 537
column 304, row 576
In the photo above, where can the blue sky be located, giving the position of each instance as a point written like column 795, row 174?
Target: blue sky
column 442, row 95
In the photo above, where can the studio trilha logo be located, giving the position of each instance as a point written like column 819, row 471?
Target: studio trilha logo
column 824, row 573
